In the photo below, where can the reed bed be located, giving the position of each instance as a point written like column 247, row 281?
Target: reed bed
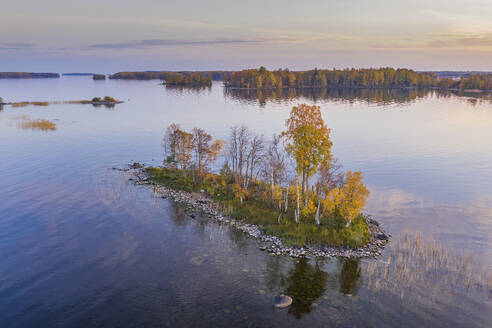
column 26, row 103
column 422, row 267
column 43, row 125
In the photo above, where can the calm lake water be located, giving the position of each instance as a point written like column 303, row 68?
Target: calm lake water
column 81, row 246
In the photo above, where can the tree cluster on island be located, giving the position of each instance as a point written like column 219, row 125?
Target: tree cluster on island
column 290, row 186
column 192, row 79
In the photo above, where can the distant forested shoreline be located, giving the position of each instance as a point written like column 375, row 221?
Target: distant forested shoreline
column 263, row 79
column 26, row 75
column 371, row 78
column 376, row 78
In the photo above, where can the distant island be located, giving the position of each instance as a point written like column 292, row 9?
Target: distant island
column 165, row 75
column 99, row 77
column 25, row 75
column 96, row 101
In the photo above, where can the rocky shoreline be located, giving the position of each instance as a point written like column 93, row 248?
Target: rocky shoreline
column 199, row 204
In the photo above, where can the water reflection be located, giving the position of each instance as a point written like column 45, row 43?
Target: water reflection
column 306, row 283
column 184, row 90
column 308, row 280
column 107, row 106
column 381, row 97
column 350, row 273
column 369, row 96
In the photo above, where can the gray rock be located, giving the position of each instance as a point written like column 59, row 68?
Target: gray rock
column 382, row 236
column 282, row 301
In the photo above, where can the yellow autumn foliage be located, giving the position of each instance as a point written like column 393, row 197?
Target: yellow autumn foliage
column 349, row 198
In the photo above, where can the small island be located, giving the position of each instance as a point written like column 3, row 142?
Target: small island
column 98, row 77
column 257, row 191
column 96, row 101
column 163, row 75
column 102, row 101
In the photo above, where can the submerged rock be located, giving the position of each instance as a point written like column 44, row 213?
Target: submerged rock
column 282, row 301
column 197, row 260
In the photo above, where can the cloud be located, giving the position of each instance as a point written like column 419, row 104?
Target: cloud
column 170, row 42
column 166, row 42
column 472, row 41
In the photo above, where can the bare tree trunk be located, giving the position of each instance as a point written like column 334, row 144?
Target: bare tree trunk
column 271, row 182
column 307, row 191
column 286, row 199
column 297, row 211
column 302, row 182
column 280, row 206
column 317, row 212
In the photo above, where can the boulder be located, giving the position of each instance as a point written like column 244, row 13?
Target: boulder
column 282, row 301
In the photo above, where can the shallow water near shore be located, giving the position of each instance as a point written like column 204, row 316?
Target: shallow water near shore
column 83, row 246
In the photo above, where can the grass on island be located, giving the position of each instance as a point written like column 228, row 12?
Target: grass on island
column 256, row 210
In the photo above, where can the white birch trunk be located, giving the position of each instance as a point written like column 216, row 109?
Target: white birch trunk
column 286, row 199
column 317, row 212
column 307, row 191
column 297, row 211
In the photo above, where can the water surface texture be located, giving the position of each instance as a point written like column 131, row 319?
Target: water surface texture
column 81, row 246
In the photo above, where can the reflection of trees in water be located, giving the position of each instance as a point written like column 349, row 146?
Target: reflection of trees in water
column 349, row 276
column 471, row 98
column 184, row 90
column 274, row 275
column 180, row 217
column 306, row 283
column 107, row 106
column 238, row 238
column 369, row 96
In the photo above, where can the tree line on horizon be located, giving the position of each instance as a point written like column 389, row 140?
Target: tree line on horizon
column 386, row 77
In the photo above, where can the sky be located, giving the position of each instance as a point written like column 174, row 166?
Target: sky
column 108, row 36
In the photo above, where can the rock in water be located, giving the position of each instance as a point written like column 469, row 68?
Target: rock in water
column 282, row 301
column 382, row 236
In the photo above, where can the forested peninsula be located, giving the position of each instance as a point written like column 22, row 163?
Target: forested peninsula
column 353, row 78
